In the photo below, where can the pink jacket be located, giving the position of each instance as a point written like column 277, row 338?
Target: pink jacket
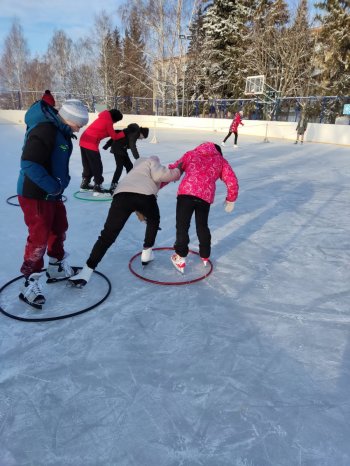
column 236, row 121
column 202, row 166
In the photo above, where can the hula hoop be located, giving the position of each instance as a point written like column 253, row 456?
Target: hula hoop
column 92, row 199
column 157, row 282
column 49, row 319
column 64, row 199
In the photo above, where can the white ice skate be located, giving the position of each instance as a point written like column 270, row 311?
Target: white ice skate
column 82, row 278
column 32, row 292
column 178, row 262
column 59, row 270
column 147, row 256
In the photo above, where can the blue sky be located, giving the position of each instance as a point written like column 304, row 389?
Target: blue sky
column 40, row 18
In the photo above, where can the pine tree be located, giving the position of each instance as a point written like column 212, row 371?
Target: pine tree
column 334, row 46
column 135, row 67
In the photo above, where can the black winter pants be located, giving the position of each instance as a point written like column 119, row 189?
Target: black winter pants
column 185, row 207
column 92, row 165
column 123, row 205
column 229, row 134
column 121, row 160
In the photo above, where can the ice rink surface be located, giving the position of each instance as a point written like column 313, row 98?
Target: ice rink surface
column 249, row 367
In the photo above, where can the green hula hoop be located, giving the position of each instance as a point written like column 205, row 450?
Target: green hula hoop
column 92, row 199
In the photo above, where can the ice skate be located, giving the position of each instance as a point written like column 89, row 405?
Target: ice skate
column 235, row 146
column 223, row 144
column 147, row 256
column 85, row 185
column 205, row 261
column 59, row 270
column 100, row 191
column 32, row 292
column 112, row 188
column 82, row 278
column 178, row 262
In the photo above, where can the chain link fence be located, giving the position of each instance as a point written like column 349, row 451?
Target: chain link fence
column 318, row 109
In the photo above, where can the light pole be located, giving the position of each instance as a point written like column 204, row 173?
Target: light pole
column 184, row 69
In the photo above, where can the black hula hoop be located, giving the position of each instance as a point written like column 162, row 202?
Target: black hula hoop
column 91, row 199
column 64, row 199
column 156, row 282
column 49, row 319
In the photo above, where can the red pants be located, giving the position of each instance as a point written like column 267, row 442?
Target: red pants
column 47, row 225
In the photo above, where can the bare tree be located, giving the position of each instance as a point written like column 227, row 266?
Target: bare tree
column 60, row 56
column 14, row 61
column 162, row 23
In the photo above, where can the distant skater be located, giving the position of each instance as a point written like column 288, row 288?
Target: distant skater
column 234, row 128
column 301, row 128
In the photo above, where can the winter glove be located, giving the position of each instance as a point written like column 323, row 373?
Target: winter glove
column 105, row 147
column 140, row 216
column 229, row 206
column 74, row 136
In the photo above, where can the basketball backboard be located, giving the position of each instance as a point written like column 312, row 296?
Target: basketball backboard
column 254, row 85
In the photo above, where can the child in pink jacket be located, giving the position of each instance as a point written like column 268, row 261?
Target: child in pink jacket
column 234, row 128
column 202, row 167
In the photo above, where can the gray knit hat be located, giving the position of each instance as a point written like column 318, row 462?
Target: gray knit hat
column 74, row 111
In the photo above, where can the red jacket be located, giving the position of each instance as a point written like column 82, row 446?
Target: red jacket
column 202, row 167
column 101, row 128
column 236, row 121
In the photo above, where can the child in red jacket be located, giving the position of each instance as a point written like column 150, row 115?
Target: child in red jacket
column 101, row 128
column 234, row 128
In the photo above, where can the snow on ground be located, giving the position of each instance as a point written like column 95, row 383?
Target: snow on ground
column 249, row 367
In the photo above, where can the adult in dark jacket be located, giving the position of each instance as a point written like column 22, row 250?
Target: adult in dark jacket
column 120, row 148
column 43, row 177
column 89, row 142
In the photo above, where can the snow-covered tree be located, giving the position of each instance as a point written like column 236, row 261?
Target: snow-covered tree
column 225, row 28
column 14, row 61
column 135, row 68
column 60, row 56
column 334, row 46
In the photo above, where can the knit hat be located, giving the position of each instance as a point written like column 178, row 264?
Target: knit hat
column 116, row 115
column 48, row 98
column 74, row 111
column 144, row 132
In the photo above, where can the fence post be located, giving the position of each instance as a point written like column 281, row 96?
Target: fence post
column 19, row 100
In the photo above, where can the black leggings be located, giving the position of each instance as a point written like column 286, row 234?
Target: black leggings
column 123, row 205
column 185, row 207
column 121, row 160
column 229, row 134
column 92, row 165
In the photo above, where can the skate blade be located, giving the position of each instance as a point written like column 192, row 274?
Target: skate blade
column 86, row 190
column 76, row 283
column 36, row 306
column 55, row 280
column 179, row 269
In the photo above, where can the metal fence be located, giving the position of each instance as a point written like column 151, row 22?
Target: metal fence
column 318, row 108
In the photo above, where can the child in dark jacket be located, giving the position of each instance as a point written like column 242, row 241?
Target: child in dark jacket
column 43, row 177
column 119, row 149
